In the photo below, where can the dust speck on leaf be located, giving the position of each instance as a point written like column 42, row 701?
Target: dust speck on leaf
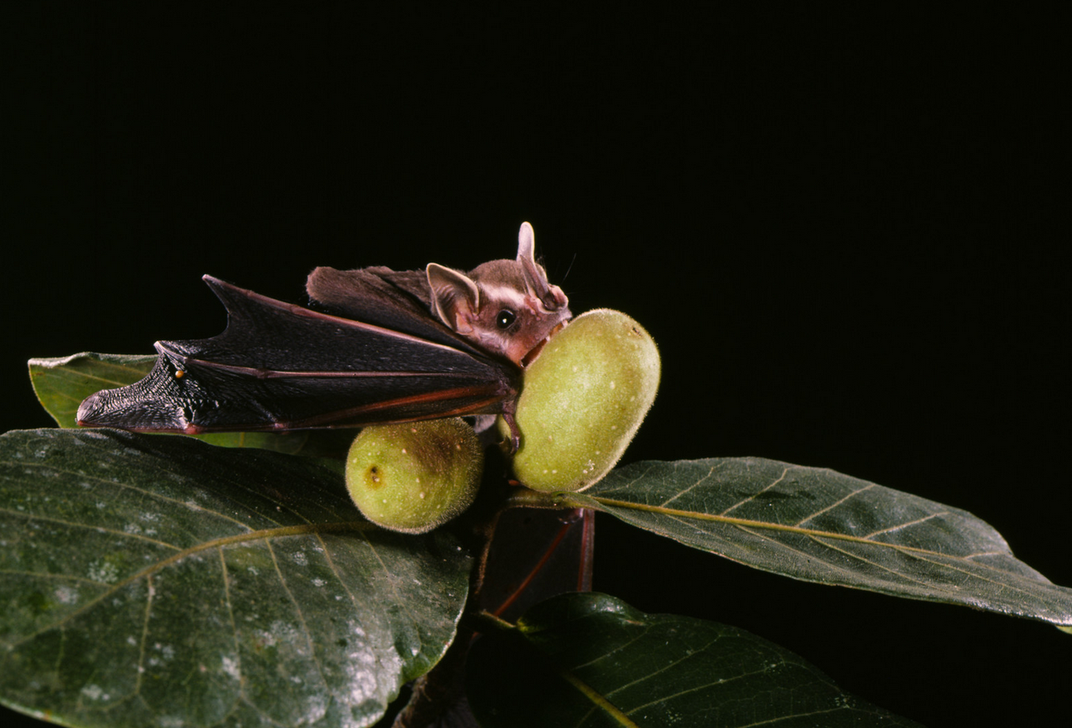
column 66, row 595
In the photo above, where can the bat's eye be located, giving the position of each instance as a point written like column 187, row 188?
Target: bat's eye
column 505, row 319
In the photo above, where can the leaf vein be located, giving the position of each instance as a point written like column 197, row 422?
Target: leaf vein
column 907, row 524
column 673, row 663
column 835, row 504
column 699, row 481
column 755, row 495
column 597, row 699
column 697, row 688
column 148, row 571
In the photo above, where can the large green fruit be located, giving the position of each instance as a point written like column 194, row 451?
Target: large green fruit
column 582, row 401
column 414, row 476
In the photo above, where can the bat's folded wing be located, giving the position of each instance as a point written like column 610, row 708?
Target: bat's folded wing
column 281, row 366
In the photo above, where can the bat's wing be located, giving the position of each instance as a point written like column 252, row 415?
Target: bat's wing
column 396, row 300
column 279, row 366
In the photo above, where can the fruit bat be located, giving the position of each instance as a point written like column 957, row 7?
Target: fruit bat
column 374, row 346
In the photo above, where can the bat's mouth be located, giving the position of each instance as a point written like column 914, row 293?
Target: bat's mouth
column 535, row 351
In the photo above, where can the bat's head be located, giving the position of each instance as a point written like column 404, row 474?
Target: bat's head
column 507, row 307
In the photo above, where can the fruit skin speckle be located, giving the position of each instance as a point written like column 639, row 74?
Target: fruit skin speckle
column 582, row 401
column 414, row 476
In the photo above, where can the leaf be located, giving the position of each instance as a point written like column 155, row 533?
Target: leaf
column 592, row 660
column 62, row 383
column 819, row 525
column 157, row 580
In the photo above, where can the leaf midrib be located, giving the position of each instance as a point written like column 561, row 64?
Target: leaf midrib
column 946, row 560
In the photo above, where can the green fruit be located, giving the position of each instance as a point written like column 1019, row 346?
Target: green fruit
column 414, row 476
column 582, row 401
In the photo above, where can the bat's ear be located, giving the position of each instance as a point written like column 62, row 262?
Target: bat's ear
column 526, row 244
column 455, row 297
column 552, row 297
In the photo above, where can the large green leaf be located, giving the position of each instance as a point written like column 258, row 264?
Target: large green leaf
column 822, row 526
column 592, row 660
column 62, row 383
column 153, row 580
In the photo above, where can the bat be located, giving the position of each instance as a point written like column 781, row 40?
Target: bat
column 375, row 346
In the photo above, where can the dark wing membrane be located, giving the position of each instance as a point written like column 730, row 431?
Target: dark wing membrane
column 397, row 300
column 281, row 366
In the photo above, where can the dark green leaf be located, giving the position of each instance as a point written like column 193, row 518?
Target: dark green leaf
column 822, row 526
column 154, row 580
column 591, row 660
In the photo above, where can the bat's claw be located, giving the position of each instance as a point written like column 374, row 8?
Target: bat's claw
column 513, row 443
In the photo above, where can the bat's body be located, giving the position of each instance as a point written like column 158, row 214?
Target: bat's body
column 381, row 346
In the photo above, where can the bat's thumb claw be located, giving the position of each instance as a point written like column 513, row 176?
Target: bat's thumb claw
column 87, row 411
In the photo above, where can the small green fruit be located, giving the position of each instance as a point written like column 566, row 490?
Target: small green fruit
column 414, row 476
column 582, row 401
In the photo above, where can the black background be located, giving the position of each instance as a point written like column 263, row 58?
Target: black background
column 841, row 225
